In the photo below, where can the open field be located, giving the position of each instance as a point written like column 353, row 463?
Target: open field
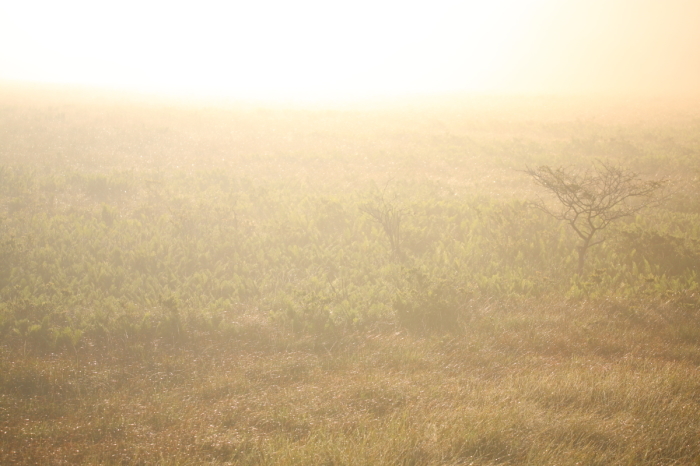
column 208, row 285
column 529, row 383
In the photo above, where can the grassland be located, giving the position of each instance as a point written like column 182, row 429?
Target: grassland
column 183, row 284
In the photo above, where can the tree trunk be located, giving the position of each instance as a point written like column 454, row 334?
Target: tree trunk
column 582, row 254
column 581, row 258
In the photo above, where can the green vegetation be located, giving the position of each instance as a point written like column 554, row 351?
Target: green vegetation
column 188, row 286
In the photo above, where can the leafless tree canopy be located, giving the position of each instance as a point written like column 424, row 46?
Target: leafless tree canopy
column 589, row 201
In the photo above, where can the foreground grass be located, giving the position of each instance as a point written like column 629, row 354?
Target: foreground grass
column 521, row 383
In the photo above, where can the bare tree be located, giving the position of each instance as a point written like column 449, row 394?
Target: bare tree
column 590, row 200
column 389, row 216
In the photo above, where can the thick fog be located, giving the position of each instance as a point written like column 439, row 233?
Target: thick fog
column 315, row 50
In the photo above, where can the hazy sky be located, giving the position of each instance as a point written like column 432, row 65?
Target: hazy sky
column 309, row 49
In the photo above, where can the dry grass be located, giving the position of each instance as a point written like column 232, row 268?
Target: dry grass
column 525, row 383
column 538, row 382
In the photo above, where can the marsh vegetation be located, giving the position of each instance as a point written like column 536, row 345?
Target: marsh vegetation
column 188, row 285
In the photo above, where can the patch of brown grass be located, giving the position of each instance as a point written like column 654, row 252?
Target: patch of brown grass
column 529, row 383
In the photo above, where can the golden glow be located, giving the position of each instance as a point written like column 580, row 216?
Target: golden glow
column 321, row 49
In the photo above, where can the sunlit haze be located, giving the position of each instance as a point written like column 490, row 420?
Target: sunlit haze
column 344, row 50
